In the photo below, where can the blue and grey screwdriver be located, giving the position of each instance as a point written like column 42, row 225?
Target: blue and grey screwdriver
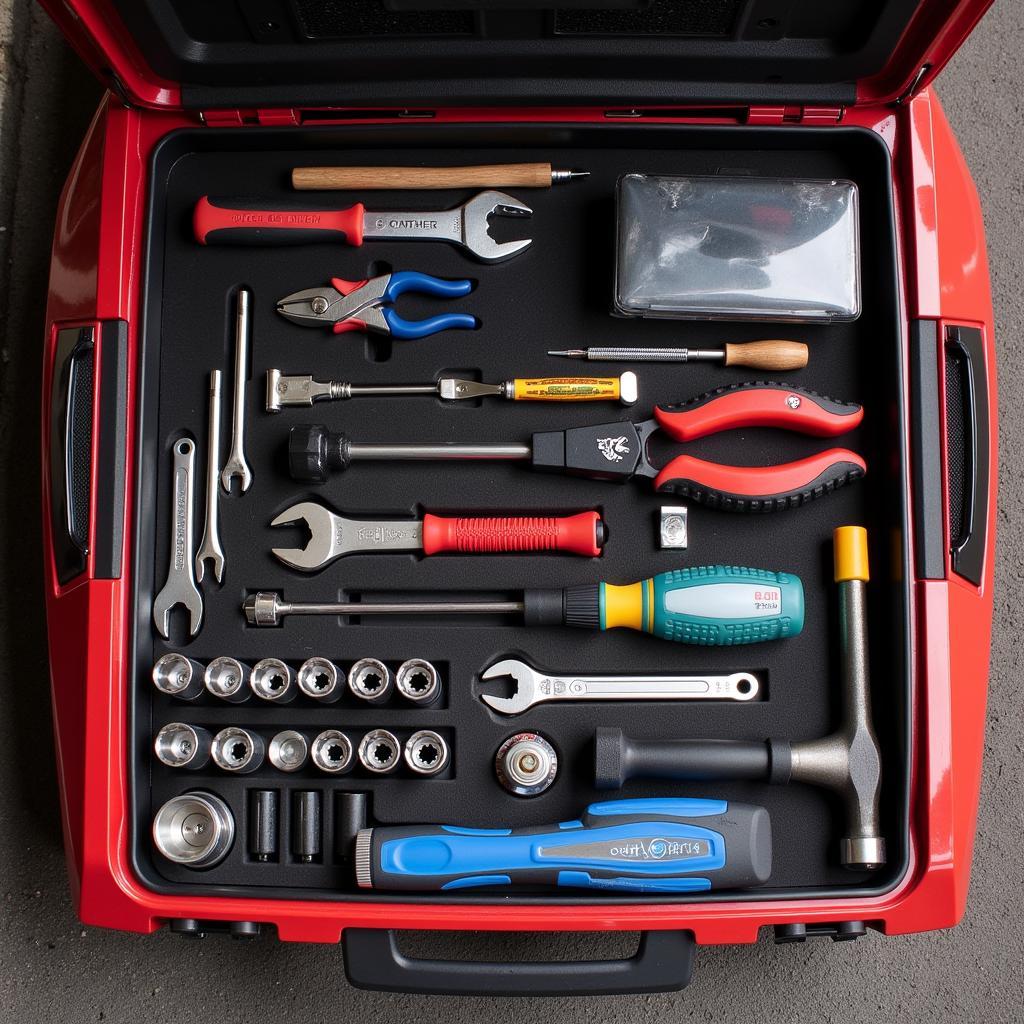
column 670, row 845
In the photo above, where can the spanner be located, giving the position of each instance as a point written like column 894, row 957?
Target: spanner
column 236, row 466
column 180, row 587
column 210, row 548
column 250, row 222
column 533, row 687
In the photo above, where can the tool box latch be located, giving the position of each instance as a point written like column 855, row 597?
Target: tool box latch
column 795, row 115
column 837, row 931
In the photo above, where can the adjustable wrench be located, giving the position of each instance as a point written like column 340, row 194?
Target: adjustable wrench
column 533, row 687
column 210, row 548
column 236, row 466
column 180, row 587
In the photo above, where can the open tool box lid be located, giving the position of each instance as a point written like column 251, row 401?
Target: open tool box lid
column 256, row 55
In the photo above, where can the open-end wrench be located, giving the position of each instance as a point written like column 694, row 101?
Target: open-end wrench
column 250, row 222
column 210, row 548
column 180, row 587
column 533, row 687
column 332, row 536
column 236, row 466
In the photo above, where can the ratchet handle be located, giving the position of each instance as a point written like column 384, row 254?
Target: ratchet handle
column 759, row 488
column 581, row 534
column 249, row 222
column 759, row 404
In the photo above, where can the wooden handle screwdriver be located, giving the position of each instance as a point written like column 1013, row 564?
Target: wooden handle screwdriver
column 757, row 355
column 479, row 176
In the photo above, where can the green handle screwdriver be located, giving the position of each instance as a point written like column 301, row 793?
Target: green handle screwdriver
column 716, row 605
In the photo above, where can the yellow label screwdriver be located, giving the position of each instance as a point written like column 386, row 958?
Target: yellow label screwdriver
column 303, row 390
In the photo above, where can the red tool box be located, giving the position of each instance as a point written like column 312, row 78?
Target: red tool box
column 227, row 99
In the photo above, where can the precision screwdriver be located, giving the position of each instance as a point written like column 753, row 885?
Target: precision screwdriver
column 758, row 355
column 712, row 606
column 653, row 845
column 303, row 390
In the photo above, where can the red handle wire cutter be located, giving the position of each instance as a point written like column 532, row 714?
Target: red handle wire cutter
column 619, row 450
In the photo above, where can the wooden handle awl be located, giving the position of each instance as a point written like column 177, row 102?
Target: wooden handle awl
column 480, row 176
column 767, row 355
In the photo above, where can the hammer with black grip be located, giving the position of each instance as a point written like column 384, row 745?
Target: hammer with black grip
column 848, row 761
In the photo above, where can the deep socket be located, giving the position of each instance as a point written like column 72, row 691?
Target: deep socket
column 305, row 825
column 332, row 752
column 370, row 680
column 379, row 751
column 263, row 824
column 237, row 750
column 179, row 745
column 319, row 678
column 178, row 676
column 272, row 680
column 417, row 680
column 426, row 752
column 225, row 678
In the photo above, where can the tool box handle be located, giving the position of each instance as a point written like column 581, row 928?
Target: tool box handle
column 663, row 962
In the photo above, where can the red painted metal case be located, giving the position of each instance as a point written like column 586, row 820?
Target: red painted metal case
column 94, row 285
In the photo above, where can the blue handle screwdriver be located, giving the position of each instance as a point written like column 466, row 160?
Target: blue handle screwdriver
column 654, row 845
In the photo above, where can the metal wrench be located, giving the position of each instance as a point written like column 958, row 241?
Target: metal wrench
column 533, row 687
column 180, row 587
column 236, row 466
column 249, row 222
column 211, row 548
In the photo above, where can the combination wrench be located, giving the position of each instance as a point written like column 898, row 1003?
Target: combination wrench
column 236, row 466
column 534, row 687
column 180, row 587
column 211, row 548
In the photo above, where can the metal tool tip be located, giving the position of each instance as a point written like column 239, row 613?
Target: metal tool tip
column 561, row 176
column 569, row 353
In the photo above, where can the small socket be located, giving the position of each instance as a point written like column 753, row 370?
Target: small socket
column 426, row 752
column 194, row 829
column 417, row 680
column 237, row 750
column 332, row 752
column 178, row 745
column 370, row 680
column 225, row 678
column 272, row 680
column 379, row 751
column 526, row 764
column 319, row 678
column 178, row 676
column 673, row 526
column 288, row 751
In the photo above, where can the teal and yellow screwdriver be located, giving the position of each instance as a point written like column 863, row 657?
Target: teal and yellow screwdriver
column 715, row 605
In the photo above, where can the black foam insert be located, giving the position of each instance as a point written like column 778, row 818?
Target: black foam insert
column 555, row 295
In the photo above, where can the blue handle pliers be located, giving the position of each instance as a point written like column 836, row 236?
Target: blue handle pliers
column 365, row 305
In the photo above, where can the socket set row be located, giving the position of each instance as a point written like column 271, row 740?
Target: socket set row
column 368, row 680
column 241, row 751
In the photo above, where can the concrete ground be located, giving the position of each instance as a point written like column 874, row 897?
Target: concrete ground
column 54, row 970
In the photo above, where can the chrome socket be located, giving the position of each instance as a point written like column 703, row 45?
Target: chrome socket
column 380, row 751
column 288, row 751
column 178, row 676
column 179, row 745
column 417, row 680
column 526, row 764
column 272, row 680
column 194, row 829
column 426, row 752
column 319, row 678
column 225, row 678
column 370, row 680
column 332, row 752
column 237, row 750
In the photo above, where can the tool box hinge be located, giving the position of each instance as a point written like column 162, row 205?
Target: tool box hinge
column 915, row 86
column 795, row 115
column 837, row 931
column 277, row 116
